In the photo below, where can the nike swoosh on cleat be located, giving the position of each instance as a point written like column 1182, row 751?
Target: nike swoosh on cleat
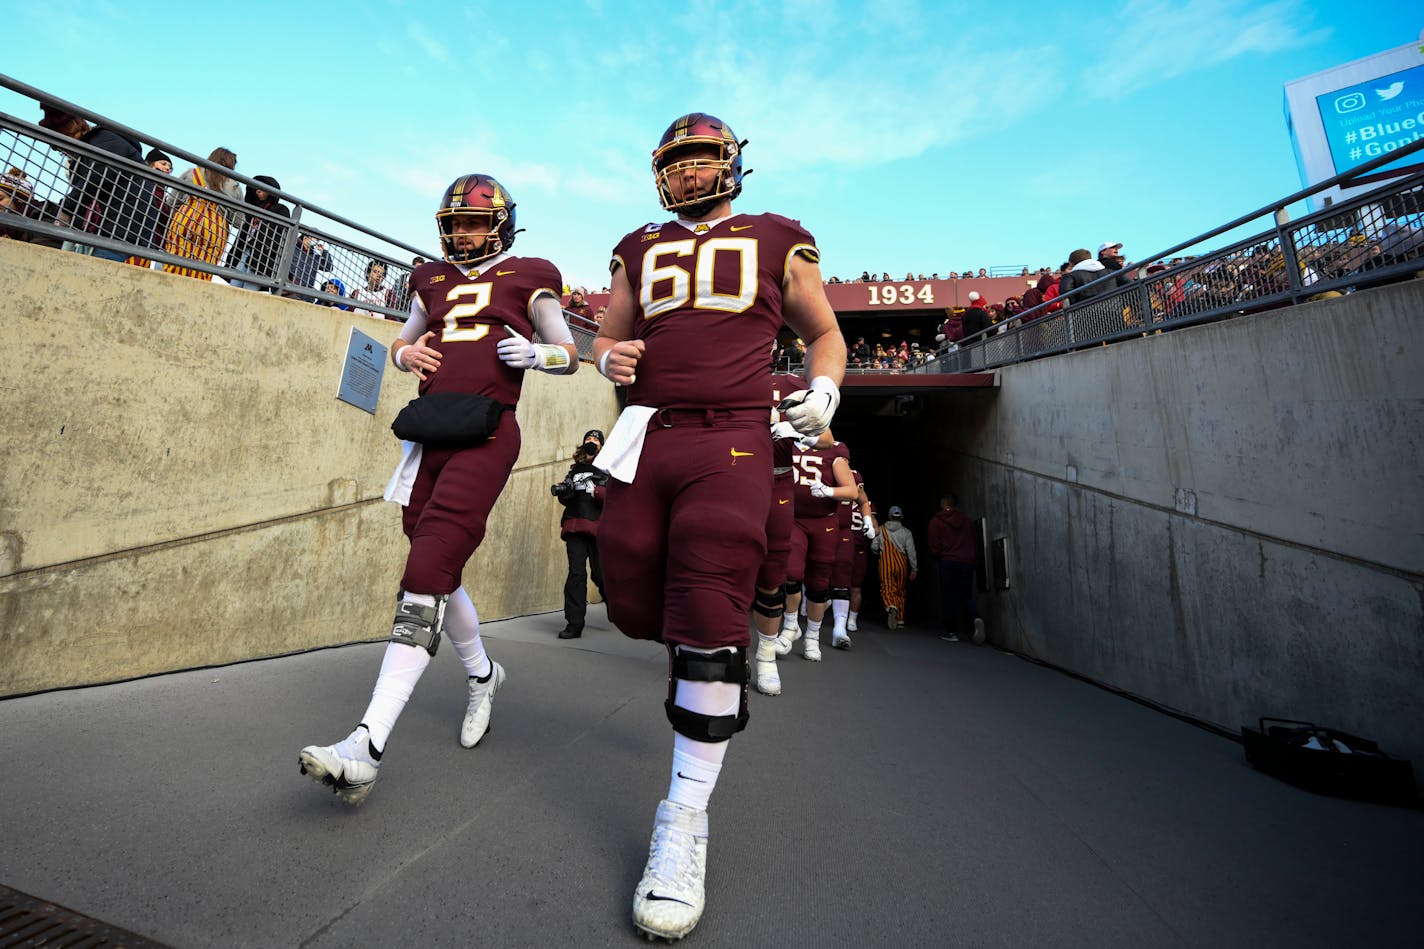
column 666, row 899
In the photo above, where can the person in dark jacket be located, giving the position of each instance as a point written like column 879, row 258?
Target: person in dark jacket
column 104, row 199
column 258, row 244
column 581, row 494
column 952, row 543
column 975, row 320
column 309, row 258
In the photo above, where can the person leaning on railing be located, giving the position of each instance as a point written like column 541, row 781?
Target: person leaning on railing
column 103, row 200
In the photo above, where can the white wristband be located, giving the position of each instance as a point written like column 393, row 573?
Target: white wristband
column 603, row 362
column 396, row 358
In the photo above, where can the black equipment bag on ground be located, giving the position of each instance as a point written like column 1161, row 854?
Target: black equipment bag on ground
column 449, row 419
column 1311, row 757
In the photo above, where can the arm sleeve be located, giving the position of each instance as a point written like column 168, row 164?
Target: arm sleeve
column 549, row 322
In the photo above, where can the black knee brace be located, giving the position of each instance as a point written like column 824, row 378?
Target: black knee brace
column 840, row 593
column 770, row 604
column 724, row 665
column 419, row 625
column 791, row 587
column 818, row 596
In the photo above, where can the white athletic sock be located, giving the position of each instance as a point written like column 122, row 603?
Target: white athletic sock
column 802, row 605
column 696, row 764
column 854, row 615
column 766, row 647
column 400, row 671
column 462, row 626
column 813, row 629
column 839, row 610
column 790, row 621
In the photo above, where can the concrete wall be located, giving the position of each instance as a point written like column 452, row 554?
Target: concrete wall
column 180, row 486
column 1226, row 520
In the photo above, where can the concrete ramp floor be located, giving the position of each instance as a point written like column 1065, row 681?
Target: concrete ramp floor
column 909, row 793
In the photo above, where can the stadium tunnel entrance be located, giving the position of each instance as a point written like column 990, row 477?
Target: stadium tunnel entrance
column 895, row 427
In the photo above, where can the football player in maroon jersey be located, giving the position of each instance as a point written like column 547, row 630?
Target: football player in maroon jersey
column 695, row 305
column 468, row 342
column 771, row 586
column 854, row 514
column 864, row 526
column 823, row 481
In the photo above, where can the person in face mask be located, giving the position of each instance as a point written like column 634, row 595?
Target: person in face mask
column 581, row 494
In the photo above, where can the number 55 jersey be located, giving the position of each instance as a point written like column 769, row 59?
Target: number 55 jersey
column 708, row 306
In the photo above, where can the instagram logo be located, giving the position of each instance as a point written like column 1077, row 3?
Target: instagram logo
column 1350, row 102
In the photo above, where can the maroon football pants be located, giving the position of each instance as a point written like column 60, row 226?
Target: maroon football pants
column 780, row 522
column 813, row 550
column 682, row 543
column 450, row 504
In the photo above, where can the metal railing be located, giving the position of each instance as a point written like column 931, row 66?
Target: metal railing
column 83, row 197
column 1372, row 239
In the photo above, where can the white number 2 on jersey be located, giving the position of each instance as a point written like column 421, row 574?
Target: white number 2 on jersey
column 454, row 333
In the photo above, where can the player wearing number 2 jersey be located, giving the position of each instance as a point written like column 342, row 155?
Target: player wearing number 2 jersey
column 694, row 307
column 472, row 317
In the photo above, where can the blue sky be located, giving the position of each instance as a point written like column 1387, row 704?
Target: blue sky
column 907, row 136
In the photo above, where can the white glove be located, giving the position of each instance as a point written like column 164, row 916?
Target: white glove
column 784, row 430
column 810, row 410
column 939, row 337
column 518, row 353
column 819, row 490
column 869, row 529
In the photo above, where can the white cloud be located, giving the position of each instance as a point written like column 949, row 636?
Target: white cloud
column 428, row 44
column 1154, row 40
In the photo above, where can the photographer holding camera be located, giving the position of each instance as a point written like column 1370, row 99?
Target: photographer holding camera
column 581, row 494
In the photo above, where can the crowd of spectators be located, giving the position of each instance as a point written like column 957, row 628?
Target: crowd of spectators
column 203, row 216
column 207, row 218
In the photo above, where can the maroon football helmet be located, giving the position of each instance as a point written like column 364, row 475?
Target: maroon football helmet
column 698, row 128
column 484, row 199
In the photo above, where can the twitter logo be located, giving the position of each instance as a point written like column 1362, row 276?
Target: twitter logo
column 1395, row 88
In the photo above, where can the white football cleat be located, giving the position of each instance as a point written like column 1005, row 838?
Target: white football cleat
column 811, row 649
column 851, row 625
column 669, row 899
column 768, row 680
column 784, row 639
column 892, row 616
column 477, row 713
column 348, row 767
column 840, row 642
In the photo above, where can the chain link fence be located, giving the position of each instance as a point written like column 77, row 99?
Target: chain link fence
column 86, row 195
column 1372, row 239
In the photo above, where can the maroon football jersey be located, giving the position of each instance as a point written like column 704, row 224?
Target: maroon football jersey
column 709, row 305
column 470, row 315
column 782, row 385
column 813, row 465
column 849, row 511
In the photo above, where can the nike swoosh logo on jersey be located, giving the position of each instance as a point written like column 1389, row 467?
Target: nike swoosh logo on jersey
column 744, row 227
column 742, row 454
column 829, row 529
column 782, row 501
column 504, row 273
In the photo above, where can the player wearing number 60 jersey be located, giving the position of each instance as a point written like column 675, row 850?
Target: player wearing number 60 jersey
column 695, row 305
column 472, row 320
